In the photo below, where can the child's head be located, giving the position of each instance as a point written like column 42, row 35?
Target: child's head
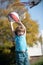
column 19, row 31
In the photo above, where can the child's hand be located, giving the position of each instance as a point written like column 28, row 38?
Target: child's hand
column 10, row 19
column 19, row 22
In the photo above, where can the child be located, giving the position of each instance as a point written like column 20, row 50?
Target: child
column 19, row 35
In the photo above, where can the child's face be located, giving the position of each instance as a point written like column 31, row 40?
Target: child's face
column 20, row 33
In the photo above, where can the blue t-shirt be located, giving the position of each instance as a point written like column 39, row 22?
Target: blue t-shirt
column 20, row 43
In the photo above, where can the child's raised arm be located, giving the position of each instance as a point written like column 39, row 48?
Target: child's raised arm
column 11, row 24
column 12, row 28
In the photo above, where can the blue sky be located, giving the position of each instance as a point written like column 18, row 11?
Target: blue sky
column 37, row 13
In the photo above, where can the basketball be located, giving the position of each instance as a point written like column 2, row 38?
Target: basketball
column 14, row 16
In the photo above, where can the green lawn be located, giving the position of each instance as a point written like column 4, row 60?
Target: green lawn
column 37, row 61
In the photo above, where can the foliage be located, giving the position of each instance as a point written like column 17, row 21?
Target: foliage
column 7, row 59
column 40, row 39
column 32, row 30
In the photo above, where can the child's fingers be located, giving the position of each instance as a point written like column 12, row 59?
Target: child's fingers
column 10, row 19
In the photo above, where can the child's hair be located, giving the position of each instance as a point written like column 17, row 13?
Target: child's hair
column 19, row 29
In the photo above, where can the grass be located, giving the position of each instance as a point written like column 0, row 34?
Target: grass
column 37, row 61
